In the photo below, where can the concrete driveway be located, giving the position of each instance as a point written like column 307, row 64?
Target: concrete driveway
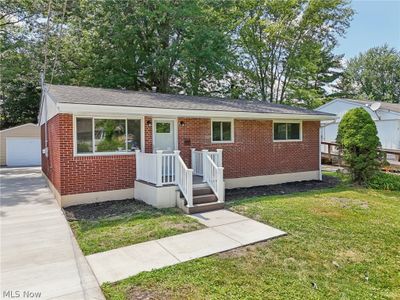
column 39, row 255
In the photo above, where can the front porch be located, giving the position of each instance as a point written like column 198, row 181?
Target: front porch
column 164, row 180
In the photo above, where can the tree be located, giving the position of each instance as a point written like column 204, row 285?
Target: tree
column 281, row 43
column 373, row 75
column 20, row 61
column 357, row 137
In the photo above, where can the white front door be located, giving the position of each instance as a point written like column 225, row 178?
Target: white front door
column 164, row 135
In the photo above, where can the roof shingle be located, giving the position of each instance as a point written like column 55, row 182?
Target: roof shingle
column 114, row 97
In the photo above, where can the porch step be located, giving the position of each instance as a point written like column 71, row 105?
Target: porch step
column 204, row 190
column 205, row 198
column 199, row 208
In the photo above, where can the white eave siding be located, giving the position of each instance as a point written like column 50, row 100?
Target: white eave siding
column 48, row 109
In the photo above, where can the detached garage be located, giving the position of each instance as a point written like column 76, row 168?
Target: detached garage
column 20, row 146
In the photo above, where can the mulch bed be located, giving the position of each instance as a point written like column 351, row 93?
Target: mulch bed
column 282, row 189
column 127, row 207
column 108, row 209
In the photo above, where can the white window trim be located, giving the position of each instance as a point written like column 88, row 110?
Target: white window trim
column 232, row 130
column 287, row 121
column 93, row 153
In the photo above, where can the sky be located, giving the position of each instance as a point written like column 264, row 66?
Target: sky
column 375, row 23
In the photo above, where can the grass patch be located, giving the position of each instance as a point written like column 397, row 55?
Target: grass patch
column 342, row 243
column 118, row 224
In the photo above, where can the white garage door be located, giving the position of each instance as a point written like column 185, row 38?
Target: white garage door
column 23, row 152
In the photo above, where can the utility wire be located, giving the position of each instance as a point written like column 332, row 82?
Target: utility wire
column 58, row 44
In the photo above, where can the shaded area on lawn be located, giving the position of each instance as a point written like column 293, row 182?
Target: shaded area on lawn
column 283, row 189
column 108, row 225
column 342, row 242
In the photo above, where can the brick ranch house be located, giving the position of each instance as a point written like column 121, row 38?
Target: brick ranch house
column 170, row 150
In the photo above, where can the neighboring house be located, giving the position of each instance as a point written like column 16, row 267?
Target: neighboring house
column 20, row 146
column 385, row 115
column 168, row 150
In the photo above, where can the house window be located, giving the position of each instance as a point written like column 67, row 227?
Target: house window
column 163, row 127
column 107, row 135
column 84, row 135
column 222, row 131
column 287, row 131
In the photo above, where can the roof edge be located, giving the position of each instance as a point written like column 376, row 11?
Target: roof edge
column 77, row 109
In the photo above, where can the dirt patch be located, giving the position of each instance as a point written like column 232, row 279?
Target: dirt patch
column 350, row 256
column 350, row 203
column 282, row 189
column 108, row 209
column 139, row 293
column 326, row 212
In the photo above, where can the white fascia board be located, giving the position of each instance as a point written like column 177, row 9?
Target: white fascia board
column 90, row 110
column 51, row 109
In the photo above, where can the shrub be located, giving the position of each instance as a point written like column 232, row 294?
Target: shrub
column 385, row 181
column 357, row 138
column 110, row 145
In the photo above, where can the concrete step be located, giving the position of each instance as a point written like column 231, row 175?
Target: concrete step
column 207, row 198
column 199, row 208
column 198, row 191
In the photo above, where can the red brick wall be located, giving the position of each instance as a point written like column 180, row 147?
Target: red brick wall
column 51, row 163
column 148, row 135
column 84, row 174
column 253, row 153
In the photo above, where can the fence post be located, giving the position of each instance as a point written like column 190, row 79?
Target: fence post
column 204, row 154
column 220, row 185
column 159, row 167
column 219, row 151
column 193, row 162
column 138, row 165
column 177, row 169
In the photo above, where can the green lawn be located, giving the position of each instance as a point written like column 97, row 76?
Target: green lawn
column 132, row 223
column 342, row 243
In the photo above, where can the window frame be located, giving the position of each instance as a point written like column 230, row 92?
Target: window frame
column 232, row 121
column 93, row 153
column 300, row 122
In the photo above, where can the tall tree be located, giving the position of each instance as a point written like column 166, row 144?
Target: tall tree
column 280, row 38
column 373, row 75
column 20, row 61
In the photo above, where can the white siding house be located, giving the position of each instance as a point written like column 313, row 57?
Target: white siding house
column 386, row 117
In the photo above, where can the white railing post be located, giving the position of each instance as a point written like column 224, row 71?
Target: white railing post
column 219, row 151
column 204, row 153
column 189, row 188
column 138, row 165
column 220, row 184
column 177, row 169
column 194, row 162
column 159, row 167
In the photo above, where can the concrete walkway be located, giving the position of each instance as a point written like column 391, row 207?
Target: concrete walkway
column 226, row 230
column 39, row 254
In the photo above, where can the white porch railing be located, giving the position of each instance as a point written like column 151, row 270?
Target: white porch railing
column 214, row 176
column 165, row 168
column 198, row 159
column 184, row 179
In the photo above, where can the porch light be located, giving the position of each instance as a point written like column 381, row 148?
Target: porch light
column 181, row 123
column 148, row 123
